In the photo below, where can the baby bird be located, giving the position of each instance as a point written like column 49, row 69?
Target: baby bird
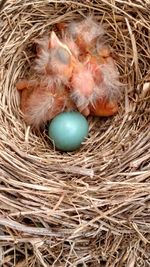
column 39, row 101
column 85, row 33
column 47, row 95
column 54, row 59
column 108, row 83
column 95, row 85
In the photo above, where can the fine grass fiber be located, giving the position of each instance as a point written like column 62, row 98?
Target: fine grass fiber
column 90, row 207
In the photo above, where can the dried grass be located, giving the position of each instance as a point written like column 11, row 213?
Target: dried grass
column 90, row 207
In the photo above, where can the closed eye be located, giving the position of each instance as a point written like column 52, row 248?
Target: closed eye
column 62, row 55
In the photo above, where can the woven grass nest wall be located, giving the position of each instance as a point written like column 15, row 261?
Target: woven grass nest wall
column 90, row 207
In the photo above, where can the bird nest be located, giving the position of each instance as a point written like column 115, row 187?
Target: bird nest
column 89, row 207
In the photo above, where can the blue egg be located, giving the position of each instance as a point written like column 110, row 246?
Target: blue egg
column 68, row 130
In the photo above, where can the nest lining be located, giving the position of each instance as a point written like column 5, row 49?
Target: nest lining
column 89, row 207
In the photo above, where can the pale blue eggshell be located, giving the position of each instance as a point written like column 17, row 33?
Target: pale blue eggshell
column 68, row 130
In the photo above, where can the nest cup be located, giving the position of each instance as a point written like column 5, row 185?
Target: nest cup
column 89, row 207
